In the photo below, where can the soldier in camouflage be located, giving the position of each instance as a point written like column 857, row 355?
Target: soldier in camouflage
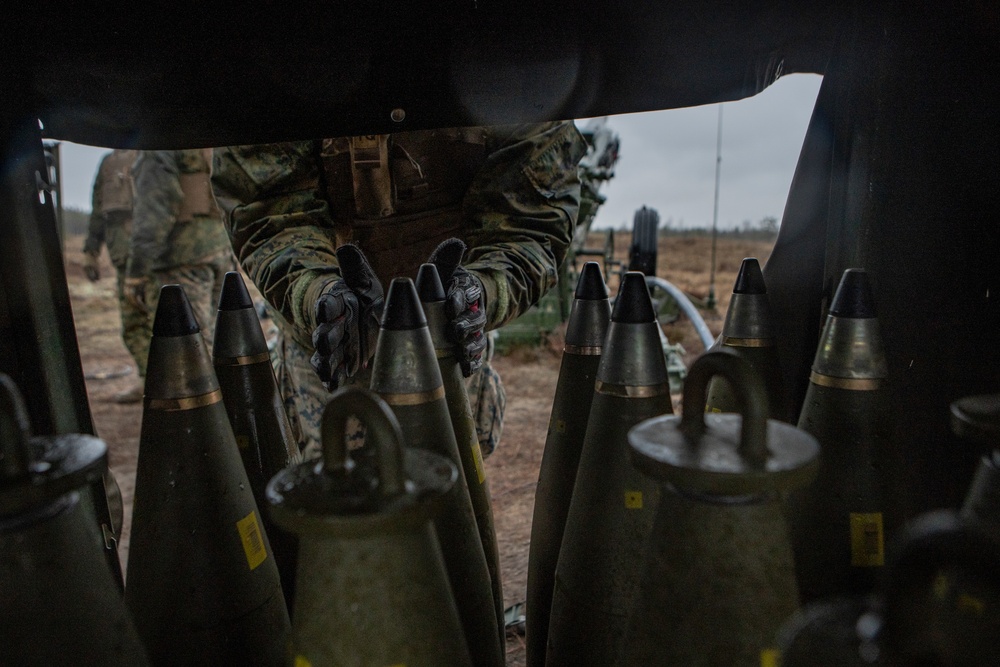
column 177, row 237
column 111, row 224
column 322, row 227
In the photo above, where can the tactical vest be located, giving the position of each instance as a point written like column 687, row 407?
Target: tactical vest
column 197, row 189
column 117, row 188
column 397, row 196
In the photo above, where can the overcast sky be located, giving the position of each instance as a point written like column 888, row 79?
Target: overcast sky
column 667, row 160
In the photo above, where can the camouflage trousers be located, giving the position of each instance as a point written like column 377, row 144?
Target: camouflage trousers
column 202, row 283
column 305, row 397
column 134, row 326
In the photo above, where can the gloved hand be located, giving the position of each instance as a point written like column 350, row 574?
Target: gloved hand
column 465, row 306
column 135, row 292
column 90, row 268
column 348, row 314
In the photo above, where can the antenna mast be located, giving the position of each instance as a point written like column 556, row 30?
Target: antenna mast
column 710, row 302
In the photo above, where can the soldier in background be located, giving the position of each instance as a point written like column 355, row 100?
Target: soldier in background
column 177, row 236
column 510, row 193
column 111, row 224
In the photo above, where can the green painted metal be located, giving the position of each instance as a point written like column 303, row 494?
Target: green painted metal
column 571, row 408
column 372, row 587
column 203, row 586
column 841, row 525
column 256, row 411
column 406, row 375
column 464, row 426
column 61, row 604
column 748, row 332
column 611, row 511
column 718, row 578
column 534, row 325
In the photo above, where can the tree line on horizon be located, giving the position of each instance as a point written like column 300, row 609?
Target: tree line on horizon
column 764, row 229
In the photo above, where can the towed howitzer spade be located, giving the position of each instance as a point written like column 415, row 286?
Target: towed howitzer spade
column 611, row 511
column 406, row 375
column 202, row 584
column 372, row 587
column 718, row 578
column 60, row 602
column 255, row 409
column 585, row 334
column 839, row 522
column 432, row 300
column 748, row 332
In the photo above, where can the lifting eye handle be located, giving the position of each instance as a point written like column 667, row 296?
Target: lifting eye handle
column 381, row 429
column 751, row 398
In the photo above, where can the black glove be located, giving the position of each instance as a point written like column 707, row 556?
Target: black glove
column 347, row 316
column 464, row 305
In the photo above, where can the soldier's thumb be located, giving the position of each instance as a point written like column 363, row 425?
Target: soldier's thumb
column 447, row 257
column 355, row 269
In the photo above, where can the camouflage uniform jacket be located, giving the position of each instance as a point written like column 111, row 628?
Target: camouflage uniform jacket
column 176, row 220
column 515, row 209
column 111, row 207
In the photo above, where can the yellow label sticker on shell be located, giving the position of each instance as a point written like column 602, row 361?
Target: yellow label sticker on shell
column 242, row 441
column 867, row 540
column 300, row 661
column 716, row 411
column 477, row 457
column 253, row 540
column 770, row 657
column 633, row 500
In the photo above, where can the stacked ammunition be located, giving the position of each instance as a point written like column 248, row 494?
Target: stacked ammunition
column 432, row 300
column 719, row 537
column 254, row 406
column 749, row 333
column 585, row 333
column 839, row 523
column 202, row 581
column 718, row 574
column 612, row 506
column 372, row 583
column 406, row 375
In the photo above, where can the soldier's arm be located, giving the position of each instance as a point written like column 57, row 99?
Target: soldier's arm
column 521, row 210
column 96, row 224
column 279, row 225
column 157, row 202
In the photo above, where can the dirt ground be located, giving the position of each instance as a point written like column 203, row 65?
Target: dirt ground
column 529, row 376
